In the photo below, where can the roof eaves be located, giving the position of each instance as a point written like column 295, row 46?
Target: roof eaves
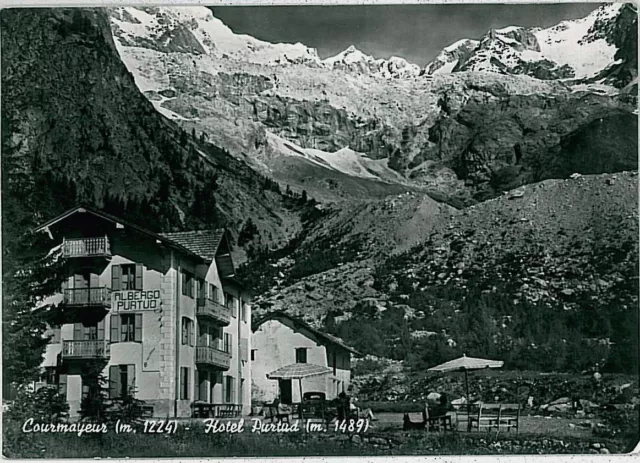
column 112, row 218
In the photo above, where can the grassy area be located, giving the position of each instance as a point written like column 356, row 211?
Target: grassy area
column 192, row 441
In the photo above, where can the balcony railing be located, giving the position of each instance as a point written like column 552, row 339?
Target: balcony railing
column 85, row 349
column 208, row 308
column 90, row 297
column 213, row 357
column 86, row 247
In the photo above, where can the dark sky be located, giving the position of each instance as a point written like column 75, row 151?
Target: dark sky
column 414, row 32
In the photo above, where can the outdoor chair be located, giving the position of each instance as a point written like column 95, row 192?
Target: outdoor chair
column 498, row 416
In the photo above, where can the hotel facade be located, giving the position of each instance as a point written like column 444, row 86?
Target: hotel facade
column 162, row 312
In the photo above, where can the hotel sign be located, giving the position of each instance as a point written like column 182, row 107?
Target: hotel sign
column 125, row 301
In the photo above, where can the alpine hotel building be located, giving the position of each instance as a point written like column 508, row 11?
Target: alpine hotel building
column 163, row 311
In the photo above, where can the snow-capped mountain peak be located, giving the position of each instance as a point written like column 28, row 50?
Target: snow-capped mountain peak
column 576, row 49
column 356, row 61
column 196, row 30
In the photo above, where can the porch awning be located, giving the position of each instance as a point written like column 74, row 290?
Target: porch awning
column 298, row 371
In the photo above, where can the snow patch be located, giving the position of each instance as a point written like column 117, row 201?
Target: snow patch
column 344, row 160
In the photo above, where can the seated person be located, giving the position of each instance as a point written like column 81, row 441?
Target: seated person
column 441, row 408
column 362, row 413
column 281, row 409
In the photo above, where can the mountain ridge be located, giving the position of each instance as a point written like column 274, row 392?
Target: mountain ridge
column 396, row 123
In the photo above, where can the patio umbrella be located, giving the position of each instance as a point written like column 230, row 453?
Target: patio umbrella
column 299, row 371
column 466, row 364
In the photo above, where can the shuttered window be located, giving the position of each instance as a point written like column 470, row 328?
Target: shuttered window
column 93, row 332
column 62, row 384
column 230, row 303
column 126, row 328
column 121, row 380
column 202, row 288
column 196, row 382
column 214, row 294
column 184, row 383
column 116, row 278
column 127, row 277
column 188, row 332
column 229, row 392
column 244, row 349
column 227, row 343
column 187, row 283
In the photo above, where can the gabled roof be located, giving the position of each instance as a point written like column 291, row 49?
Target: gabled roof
column 205, row 243
column 190, row 243
column 326, row 337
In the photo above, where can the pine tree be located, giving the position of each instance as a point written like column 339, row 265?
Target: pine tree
column 95, row 406
column 30, row 274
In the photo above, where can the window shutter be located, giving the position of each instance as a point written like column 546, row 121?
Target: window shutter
column 101, row 330
column 131, row 379
column 114, row 381
column 192, row 333
column 244, row 349
column 78, row 332
column 224, row 389
column 196, row 381
column 115, row 328
column 116, row 278
column 233, row 389
column 62, row 385
column 138, row 328
column 139, row 272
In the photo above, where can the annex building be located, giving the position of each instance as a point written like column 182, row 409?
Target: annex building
column 280, row 341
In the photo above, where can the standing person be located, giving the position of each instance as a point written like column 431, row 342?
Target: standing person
column 343, row 406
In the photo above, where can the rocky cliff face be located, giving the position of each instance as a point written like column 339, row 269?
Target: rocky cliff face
column 481, row 127
column 75, row 128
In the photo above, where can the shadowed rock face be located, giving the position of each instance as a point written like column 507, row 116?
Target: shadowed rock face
column 75, row 128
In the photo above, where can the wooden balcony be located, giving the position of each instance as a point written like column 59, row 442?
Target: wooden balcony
column 214, row 311
column 211, row 356
column 88, row 297
column 86, row 247
column 84, row 350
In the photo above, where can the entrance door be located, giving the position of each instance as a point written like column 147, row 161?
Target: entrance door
column 286, row 396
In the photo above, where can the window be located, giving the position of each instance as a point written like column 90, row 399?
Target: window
column 227, row 342
column 253, row 354
column 244, row 312
column 187, row 283
column 202, row 288
column 184, row 383
column 125, row 328
column 228, row 389
column 187, row 331
column 335, row 363
column 93, row 332
column 214, row 293
column 62, row 384
column 121, row 381
column 301, row 355
column 126, row 277
column 230, row 302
